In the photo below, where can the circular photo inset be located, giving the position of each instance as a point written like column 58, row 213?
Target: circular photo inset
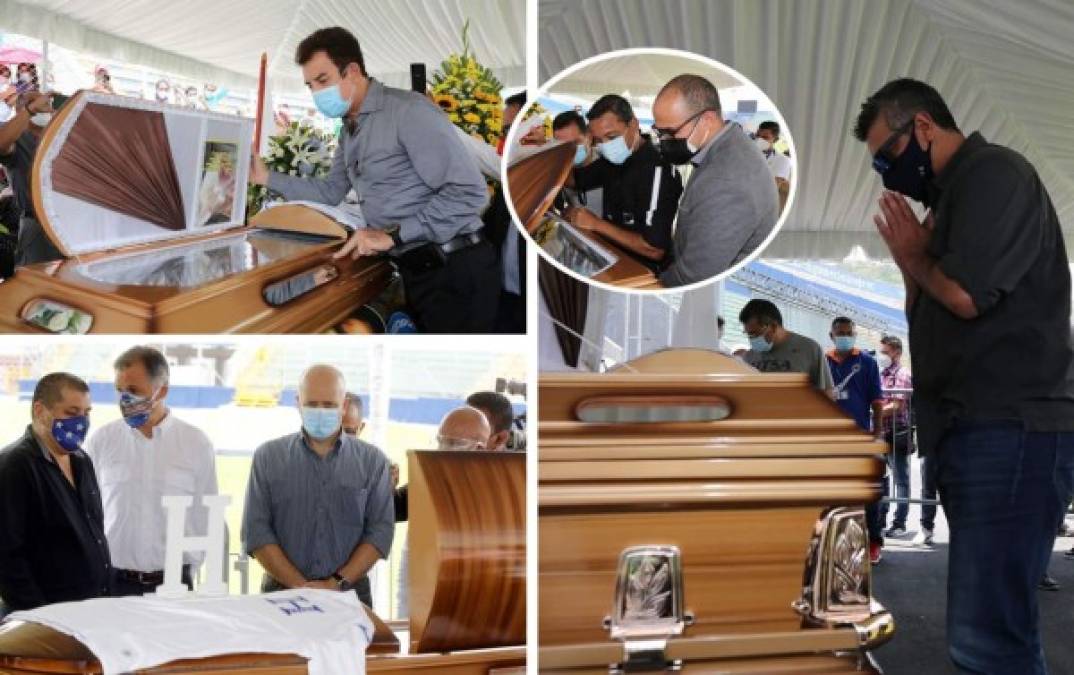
column 649, row 169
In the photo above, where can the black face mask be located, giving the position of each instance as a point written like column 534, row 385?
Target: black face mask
column 675, row 150
column 911, row 172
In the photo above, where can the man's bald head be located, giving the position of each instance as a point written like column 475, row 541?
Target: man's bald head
column 322, row 386
column 693, row 91
column 464, row 428
column 685, row 105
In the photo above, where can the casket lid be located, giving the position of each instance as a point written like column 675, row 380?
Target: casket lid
column 533, row 180
column 114, row 171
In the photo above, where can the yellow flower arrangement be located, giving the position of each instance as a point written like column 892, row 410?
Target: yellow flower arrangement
column 469, row 93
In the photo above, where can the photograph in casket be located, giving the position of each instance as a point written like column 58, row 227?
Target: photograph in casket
column 664, row 169
column 147, row 203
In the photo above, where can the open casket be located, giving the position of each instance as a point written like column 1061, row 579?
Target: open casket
column 467, row 585
column 697, row 513
column 148, row 204
column 534, row 180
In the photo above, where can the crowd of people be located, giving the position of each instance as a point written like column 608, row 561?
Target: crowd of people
column 627, row 186
column 81, row 514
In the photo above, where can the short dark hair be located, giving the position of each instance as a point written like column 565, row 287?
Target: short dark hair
column 844, row 320
column 497, row 406
column 156, row 365
column 769, row 125
column 699, row 93
column 352, row 399
column 898, row 101
column 567, row 118
column 764, row 311
column 611, row 103
column 892, row 341
column 339, row 43
column 518, row 99
column 49, row 389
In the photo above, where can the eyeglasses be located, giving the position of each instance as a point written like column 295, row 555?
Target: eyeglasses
column 671, row 133
column 451, row 443
column 883, row 158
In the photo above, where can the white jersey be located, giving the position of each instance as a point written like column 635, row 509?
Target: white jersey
column 329, row 628
column 779, row 164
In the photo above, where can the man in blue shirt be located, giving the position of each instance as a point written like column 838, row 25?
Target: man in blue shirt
column 857, row 391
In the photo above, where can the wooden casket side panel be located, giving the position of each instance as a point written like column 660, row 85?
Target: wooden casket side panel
column 233, row 305
column 533, row 182
column 467, row 550
column 741, row 566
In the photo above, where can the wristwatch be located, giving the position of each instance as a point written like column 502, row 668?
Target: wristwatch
column 341, row 583
column 393, row 232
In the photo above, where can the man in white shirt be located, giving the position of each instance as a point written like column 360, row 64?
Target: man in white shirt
column 779, row 164
column 139, row 459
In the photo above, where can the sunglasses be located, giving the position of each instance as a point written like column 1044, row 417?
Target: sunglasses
column 883, row 159
column 662, row 134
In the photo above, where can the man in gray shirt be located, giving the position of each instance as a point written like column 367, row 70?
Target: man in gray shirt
column 419, row 189
column 774, row 349
column 730, row 204
column 319, row 508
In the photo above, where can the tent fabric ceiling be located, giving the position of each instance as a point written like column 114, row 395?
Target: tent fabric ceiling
column 221, row 41
column 1005, row 68
column 640, row 74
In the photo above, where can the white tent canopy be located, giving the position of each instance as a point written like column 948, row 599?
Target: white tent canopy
column 1005, row 69
column 221, row 41
column 640, row 74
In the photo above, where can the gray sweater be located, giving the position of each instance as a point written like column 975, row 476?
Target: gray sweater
column 729, row 207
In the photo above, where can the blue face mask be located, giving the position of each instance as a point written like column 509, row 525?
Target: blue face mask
column 135, row 409
column 615, row 151
column 71, row 432
column 760, row 344
column 320, row 423
column 844, row 343
column 330, row 102
column 580, row 153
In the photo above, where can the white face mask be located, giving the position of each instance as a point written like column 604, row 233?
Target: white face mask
column 884, row 360
column 763, row 144
column 41, row 119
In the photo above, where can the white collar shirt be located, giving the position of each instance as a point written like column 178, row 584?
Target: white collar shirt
column 134, row 472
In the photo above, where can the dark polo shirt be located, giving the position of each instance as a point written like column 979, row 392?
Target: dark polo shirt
column 996, row 234
column 52, row 542
column 640, row 195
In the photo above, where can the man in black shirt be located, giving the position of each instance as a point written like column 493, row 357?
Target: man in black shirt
column 19, row 137
column 988, row 301
column 641, row 190
column 52, row 542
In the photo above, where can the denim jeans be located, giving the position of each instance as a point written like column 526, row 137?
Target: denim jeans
column 928, row 491
column 1000, row 487
column 899, row 466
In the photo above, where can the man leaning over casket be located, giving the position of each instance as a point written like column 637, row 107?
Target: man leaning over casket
column 421, row 193
column 52, row 543
column 319, row 502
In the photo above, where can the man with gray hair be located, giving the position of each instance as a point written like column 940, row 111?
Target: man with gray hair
column 140, row 458
column 730, row 204
column 319, row 508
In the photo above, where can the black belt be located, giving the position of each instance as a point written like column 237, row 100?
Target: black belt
column 142, row 577
column 462, row 241
column 156, row 578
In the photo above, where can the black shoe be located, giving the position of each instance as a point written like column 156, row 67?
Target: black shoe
column 1069, row 554
column 1048, row 584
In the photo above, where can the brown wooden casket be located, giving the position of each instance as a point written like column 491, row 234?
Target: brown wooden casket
column 697, row 513
column 467, row 585
column 533, row 181
column 148, row 204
